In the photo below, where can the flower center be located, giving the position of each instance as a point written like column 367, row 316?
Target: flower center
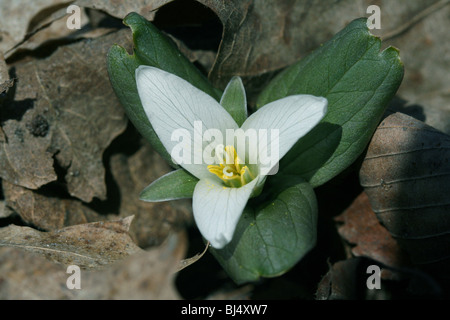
column 231, row 170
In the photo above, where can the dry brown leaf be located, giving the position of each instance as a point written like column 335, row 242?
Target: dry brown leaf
column 424, row 43
column 361, row 228
column 52, row 29
column 23, row 161
column 406, row 175
column 47, row 212
column 21, row 17
column 189, row 261
column 63, row 108
column 143, row 275
column 89, row 246
column 120, row 9
column 45, row 20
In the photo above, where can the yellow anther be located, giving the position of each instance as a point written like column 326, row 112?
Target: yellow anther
column 230, row 170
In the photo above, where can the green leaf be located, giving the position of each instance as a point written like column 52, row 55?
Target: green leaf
column 234, row 100
column 153, row 48
column 178, row 184
column 358, row 80
column 272, row 238
column 121, row 67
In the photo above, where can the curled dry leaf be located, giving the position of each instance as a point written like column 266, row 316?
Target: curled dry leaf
column 406, row 175
column 51, row 29
column 89, row 246
column 19, row 24
column 17, row 21
column 120, row 9
column 187, row 262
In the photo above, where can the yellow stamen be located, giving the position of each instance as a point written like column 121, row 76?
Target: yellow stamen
column 230, row 170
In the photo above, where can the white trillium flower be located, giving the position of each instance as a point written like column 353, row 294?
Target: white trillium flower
column 224, row 189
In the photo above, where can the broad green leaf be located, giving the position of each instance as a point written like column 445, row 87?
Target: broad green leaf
column 178, row 184
column 153, row 48
column 271, row 238
column 358, row 80
column 234, row 100
column 121, row 67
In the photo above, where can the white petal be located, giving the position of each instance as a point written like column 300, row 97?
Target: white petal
column 173, row 106
column 217, row 209
column 293, row 117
